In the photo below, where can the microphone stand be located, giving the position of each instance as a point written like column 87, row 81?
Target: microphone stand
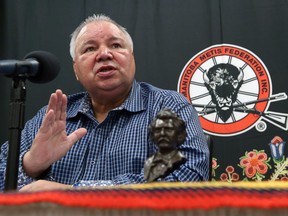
column 17, row 109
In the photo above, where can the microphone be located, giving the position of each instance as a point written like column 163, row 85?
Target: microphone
column 37, row 66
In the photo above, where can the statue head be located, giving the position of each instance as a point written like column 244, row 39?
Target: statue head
column 167, row 130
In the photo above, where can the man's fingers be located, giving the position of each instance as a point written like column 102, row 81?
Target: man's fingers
column 58, row 103
column 48, row 121
column 76, row 135
column 52, row 102
column 58, row 107
column 64, row 107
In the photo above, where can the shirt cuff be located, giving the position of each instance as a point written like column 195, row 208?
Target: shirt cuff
column 93, row 183
column 23, row 178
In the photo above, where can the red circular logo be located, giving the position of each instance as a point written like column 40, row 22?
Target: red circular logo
column 228, row 85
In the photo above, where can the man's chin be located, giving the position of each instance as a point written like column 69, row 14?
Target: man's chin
column 164, row 145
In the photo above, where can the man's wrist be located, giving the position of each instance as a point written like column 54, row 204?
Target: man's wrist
column 31, row 168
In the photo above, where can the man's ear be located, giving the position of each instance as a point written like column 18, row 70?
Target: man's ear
column 75, row 70
column 76, row 77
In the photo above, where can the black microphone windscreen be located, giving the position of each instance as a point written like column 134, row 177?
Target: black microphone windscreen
column 49, row 66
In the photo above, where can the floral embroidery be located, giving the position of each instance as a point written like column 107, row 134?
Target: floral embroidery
column 230, row 175
column 277, row 147
column 214, row 167
column 285, row 178
column 255, row 164
column 281, row 164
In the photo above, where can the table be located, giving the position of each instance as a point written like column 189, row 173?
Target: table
column 181, row 199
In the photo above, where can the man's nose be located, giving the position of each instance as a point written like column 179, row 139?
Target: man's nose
column 162, row 131
column 104, row 53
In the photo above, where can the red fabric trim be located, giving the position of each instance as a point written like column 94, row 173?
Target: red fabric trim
column 172, row 197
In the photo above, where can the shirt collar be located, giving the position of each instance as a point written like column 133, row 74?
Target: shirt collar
column 133, row 103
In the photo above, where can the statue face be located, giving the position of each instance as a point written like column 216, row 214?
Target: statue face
column 165, row 134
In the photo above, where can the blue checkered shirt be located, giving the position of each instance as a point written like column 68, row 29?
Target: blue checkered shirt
column 114, row 151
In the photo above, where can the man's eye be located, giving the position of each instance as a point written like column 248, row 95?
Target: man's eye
column 157, row 130
column 116, row 45
column 89, row 49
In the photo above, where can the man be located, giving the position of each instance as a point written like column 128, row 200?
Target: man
column 168, row 132
column 100, row 137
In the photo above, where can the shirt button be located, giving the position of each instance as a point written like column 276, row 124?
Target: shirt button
column 92, row 163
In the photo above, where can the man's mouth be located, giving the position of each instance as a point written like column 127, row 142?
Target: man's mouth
column 105, row 69
column 163, row 140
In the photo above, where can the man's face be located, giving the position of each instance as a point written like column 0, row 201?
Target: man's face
column 165, row 135
column 104, row 60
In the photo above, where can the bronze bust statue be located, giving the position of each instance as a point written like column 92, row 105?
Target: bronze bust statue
column 168, row 131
